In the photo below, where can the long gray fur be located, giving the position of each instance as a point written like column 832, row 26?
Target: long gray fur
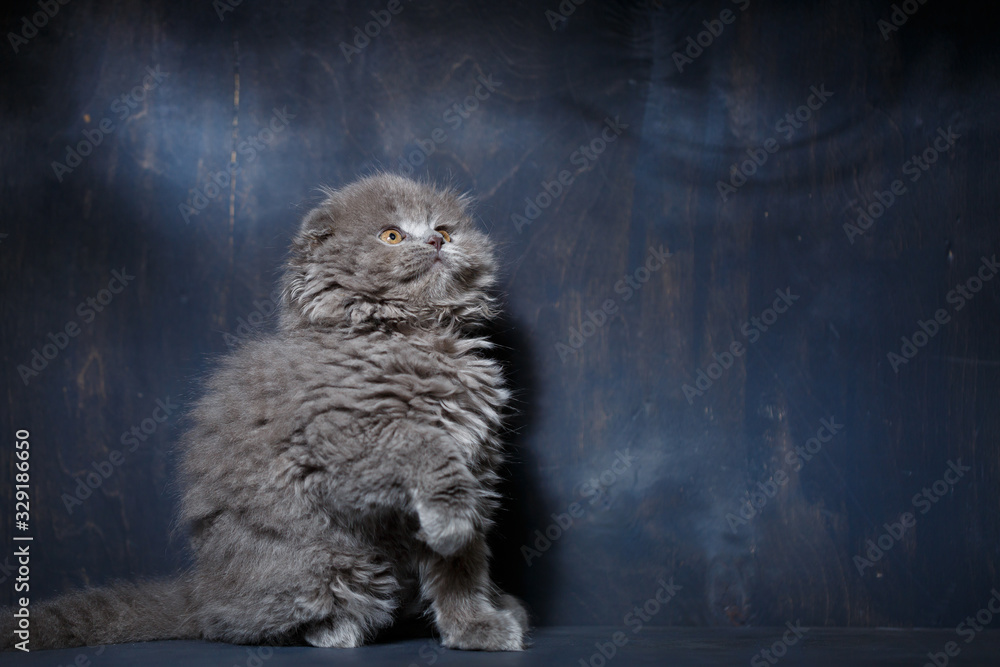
column 340, row 472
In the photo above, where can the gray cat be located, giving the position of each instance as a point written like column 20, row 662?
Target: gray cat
column 340, row 473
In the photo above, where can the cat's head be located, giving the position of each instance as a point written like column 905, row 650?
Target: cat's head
column 386, row 249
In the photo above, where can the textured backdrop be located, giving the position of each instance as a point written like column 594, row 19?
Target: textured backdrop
column 748, row 251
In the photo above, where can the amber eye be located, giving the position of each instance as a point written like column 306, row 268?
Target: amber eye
column 391, row 236
column 444, row 234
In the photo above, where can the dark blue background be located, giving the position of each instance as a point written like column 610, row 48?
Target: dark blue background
column 691, row 463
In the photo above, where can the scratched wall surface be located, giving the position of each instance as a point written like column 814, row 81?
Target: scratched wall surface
column 701, row 319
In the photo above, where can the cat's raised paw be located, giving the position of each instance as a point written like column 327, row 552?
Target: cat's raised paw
column 442, row 530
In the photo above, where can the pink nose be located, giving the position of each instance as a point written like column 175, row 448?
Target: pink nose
column 436, row 240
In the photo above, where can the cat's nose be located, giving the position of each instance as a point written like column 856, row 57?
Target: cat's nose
column 436, row 240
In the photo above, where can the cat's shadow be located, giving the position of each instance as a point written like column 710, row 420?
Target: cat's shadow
column 520, row 488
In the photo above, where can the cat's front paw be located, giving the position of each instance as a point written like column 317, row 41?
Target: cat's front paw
column 444, row 530
column 498, row 630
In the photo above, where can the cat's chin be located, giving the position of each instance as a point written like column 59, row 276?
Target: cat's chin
column 437, row 269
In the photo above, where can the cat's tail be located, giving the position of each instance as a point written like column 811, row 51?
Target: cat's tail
column 121, row 612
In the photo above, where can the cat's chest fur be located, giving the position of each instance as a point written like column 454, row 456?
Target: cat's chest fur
column 324, row 407
column 371, row 380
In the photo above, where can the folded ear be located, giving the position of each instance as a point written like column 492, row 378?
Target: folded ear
column 315, row 228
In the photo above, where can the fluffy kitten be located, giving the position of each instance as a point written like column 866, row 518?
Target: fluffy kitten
column 343, row 468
